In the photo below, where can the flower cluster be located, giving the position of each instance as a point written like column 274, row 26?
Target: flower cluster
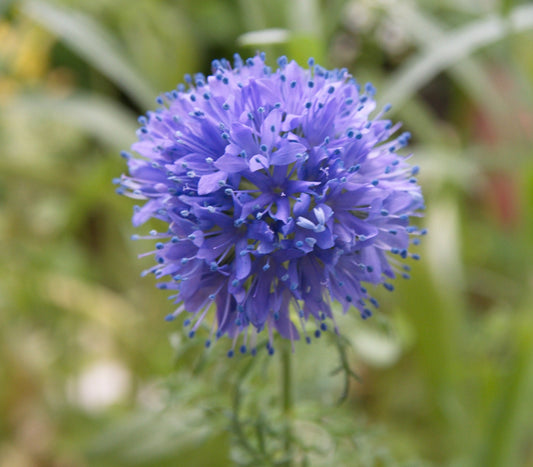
column 279, row 193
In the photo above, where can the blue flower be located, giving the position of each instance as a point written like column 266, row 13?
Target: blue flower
column 278, row 193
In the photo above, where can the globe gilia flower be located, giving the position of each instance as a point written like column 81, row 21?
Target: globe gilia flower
column 278, row 192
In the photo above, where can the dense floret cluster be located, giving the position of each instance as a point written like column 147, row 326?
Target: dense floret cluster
column 279, row 194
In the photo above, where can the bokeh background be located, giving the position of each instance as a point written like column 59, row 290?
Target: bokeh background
column 91, row 374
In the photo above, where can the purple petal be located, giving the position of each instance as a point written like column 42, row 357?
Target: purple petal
column 287, row 154
column 211, row 182
column 243, row 262
column 258, row 162
column 231, row 164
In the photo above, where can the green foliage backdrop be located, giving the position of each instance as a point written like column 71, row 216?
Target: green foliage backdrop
column 90, row 373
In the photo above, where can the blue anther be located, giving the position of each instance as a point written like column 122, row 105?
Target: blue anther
column 370, row 89
column 282, row 61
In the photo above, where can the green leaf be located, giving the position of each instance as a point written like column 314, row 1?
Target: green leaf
column 4, row 5
column 264, row 37
column 103, row 118
column 452, row 47
column 506, row 7
column 468, row 73
column 501, row 444
column 96, row 45
column 174, row 436
column 305, row 20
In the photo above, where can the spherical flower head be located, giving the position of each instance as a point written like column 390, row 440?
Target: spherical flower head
column 279, row 194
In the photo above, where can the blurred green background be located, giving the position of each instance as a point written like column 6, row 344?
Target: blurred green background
column 91, row 374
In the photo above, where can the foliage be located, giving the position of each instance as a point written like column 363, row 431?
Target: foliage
column 89, row 375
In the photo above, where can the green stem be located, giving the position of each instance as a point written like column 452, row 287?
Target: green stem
column 286, row 400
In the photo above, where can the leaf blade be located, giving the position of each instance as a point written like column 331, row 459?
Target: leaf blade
column 96, row 45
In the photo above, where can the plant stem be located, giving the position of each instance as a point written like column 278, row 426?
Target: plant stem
column 286, row 400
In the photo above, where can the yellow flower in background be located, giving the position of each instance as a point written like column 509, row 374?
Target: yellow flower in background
column 24, row 55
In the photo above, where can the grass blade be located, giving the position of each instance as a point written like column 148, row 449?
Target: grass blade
column 104, row 119
column 452, row 47
column 96, row 45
